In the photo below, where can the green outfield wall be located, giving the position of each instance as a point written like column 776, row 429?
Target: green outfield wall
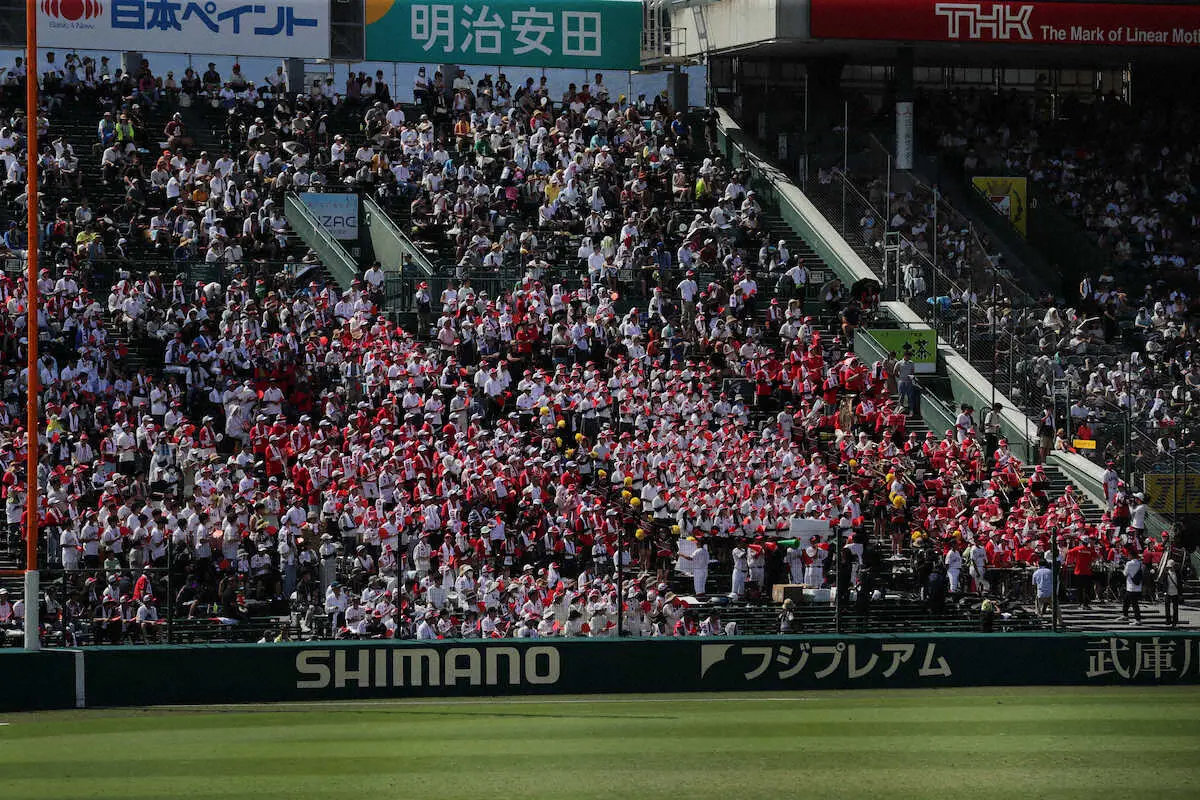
column 138, row 676
column 37, row 681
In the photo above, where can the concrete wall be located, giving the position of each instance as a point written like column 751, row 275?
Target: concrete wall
column 729, row 23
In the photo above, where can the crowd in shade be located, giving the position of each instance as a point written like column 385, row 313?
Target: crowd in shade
column 1120, row 342
column 547, row 459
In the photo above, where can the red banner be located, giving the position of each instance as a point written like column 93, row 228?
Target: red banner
column 1112, row 24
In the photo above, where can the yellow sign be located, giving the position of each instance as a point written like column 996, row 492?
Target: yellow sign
column 1185, row 487
column 1084, row 444
column 1009, row 196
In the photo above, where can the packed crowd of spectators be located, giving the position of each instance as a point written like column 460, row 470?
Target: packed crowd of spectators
column 485, row 471
column 1124, row 340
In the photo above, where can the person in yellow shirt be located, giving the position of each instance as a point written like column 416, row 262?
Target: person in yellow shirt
column 554, row 187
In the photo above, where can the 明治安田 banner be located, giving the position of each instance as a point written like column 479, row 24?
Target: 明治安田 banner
column 583, row 34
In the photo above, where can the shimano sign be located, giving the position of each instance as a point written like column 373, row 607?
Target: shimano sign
column 394, row 668
column 337, row 212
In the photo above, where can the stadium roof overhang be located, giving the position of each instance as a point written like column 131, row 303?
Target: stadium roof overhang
column 950, row 54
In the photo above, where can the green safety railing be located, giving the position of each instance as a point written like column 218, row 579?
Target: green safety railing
column 341, row 265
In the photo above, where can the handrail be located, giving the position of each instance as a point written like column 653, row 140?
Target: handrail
column 374, row 215
column 794, row 205
column 341, row 265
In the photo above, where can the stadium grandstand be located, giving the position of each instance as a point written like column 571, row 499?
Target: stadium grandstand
column 478, row 358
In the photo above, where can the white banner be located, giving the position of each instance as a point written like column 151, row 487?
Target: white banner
column 270, row 28
column 336, row 211
column 804, row 529
column 904, row 135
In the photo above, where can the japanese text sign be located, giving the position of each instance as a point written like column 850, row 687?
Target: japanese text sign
column 272, row 28
column 921, row 342
column 584, row 34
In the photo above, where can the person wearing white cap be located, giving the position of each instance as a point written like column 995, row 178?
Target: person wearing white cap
column 425, row 629
column 1135, row 574
column 1168, row 584
column 1137, row 519
column 698, row 561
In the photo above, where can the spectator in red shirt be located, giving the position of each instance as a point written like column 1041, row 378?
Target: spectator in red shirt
column 1081, row 556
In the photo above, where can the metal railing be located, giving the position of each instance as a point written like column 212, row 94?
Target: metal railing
column 190, row 611
column 334, row 256
column 391, row 245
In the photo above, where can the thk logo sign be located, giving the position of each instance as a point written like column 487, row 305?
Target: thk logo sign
column 72, row 10
column 969, row 20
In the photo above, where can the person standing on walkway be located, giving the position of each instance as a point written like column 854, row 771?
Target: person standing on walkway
column 1134, row 572
column 1080, row 557
column 905, row 371
column 1168, row 583
column 740, row 569
column 1043, row 582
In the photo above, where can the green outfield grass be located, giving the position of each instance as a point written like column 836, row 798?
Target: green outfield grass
column 977, row 743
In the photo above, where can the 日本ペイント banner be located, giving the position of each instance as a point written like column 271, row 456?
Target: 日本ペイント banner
column 272, row 28
column 1050, row 23
column 583, row 34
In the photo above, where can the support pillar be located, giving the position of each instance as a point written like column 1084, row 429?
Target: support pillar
column 293, row 68
column 677, row 89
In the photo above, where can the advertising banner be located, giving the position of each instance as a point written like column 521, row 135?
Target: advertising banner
column 580, row 34
column 904, row 135
column 921, row 341
column 1010, row 198
column 336, row 211
column 122, row 676
column 1111, row 24
column 1177, row 493
column 272, row 28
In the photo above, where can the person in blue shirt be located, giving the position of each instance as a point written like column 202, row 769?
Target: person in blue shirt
column 106, row 131
column 14, row 237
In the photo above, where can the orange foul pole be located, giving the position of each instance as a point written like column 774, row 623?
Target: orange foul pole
column 32, row 640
